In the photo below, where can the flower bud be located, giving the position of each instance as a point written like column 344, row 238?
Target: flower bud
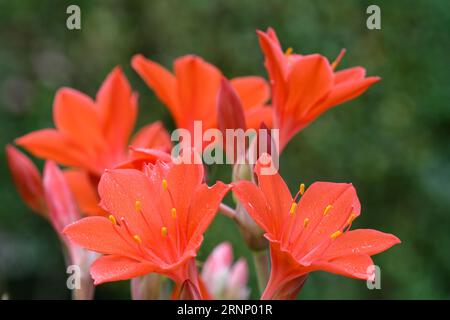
column 230, row 117
column 224, row 280
column 62, row 207
column 237, row 281
column 230, row 113
column 27, row 179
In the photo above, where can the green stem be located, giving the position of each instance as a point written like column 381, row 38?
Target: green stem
column 227, row 211
column 261, row 260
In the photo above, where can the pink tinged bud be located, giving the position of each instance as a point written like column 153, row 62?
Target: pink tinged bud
column 265, row 142
column 220, row 259
column 60, row 200
column 27, row 179
column 230, row 113
column 239, row 273
column 237, row 282
column 224, row 280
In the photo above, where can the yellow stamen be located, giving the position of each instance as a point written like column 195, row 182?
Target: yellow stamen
column 288, row 51
column 164, row 231
column 137, row 239
column 302, row 189
column 174, row 213
column 305, row 222
column 293, row 207
column 164, row 184
column 112, row 219
column 327, row 209
column 138, row 205
column 351, row 218
column 336, row 234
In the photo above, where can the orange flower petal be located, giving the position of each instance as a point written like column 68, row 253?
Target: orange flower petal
column 85, row 191
column 254, row 201
column 182, row 177
column 115, row 268
column 198, row 83
column 139, row 157
column 343, row 201
column 345, row 91
column 98, row 234
column 276, row 65
column 253, row 91
column 255, row 116
column 153, row 136
column 118, row 109
column 75, row 115
column 52, row 145
column 350, row 74
column 361, row 241
column 119, row 189
column 203, row 209
column 353, row 266
column 284, row 271
column 310, row 79
column 277, row 195
column 160, row 80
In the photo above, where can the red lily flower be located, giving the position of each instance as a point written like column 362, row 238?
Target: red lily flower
column 312, row 234
column 154, row 226
column 93, row 135
column 305, row 86
column 191, row 92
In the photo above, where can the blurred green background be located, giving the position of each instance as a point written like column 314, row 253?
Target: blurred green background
column 392, row 143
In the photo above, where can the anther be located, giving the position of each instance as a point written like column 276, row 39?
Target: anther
column 293, row 207
column 174, row 213
column 327, row 209
column 164, row 231
column 302, row 188
column 164, row 184
column 112, row 219
column 138, row 205
column 137, row 239
column 288, row 51
column 305, row 222
column 336, row 234
column 351, row 218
